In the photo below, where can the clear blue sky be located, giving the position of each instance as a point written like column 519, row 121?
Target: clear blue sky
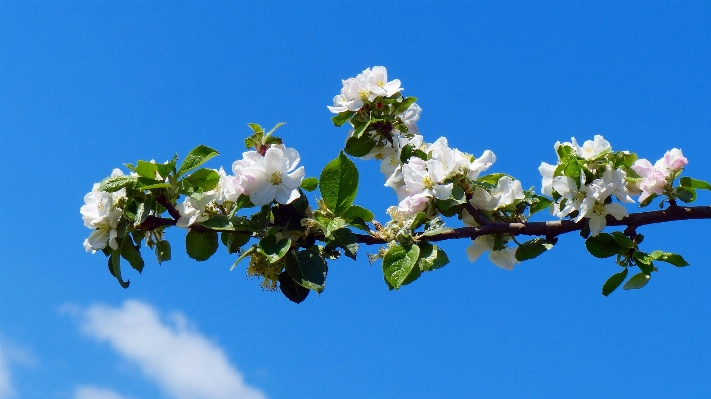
column 87, row 86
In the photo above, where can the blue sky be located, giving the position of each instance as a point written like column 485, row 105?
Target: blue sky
column 88, row 86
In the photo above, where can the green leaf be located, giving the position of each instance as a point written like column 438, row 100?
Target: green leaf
column 602, row 246
column 131, row 254
column 146, row 169
column 146, row 183
column 491, row 178
column 115, row 267
column 405, row 104
column 309, row 184
column 344, row 238
column 622, row 240
column 686, row 195
column 307, row 268
column 293, row 291
column 204, row 178
column 196, row 157
column 342, row 118
column 162, row 251
column 355, row 211
column 532, row 248
column 200, row 245
column 648, row 200
column 225, row 223
column 360, row 129
column 613, row 282
column 359, row 146
column 543, row 203
column 431, row 257
column 234, row 241
column 273, row 249
column 637, row 281
column 339, row 184
column 694, row 183
column 115, row 183
column 675, row 259
column 256, row 128
column 456, row 198
column 399, row 262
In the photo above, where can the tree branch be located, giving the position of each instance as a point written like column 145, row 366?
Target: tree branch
column 555, row 228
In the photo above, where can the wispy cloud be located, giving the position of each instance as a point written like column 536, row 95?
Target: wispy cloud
column 183, row 362
column 6, row 388
column 90, row 392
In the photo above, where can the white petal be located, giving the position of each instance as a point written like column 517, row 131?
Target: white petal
column 263, row 195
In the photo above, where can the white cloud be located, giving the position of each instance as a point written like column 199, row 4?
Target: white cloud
column 89, row 392
column 6, row 388
column 183, row 362
column 11, row 353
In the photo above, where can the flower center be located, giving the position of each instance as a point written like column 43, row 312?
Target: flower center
column 599, row 208
column 427, row 182
column 364, row 94
column 275, row 178
column 380, row 83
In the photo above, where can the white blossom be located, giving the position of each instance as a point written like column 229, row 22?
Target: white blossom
column 505, row 258
column 274, row 177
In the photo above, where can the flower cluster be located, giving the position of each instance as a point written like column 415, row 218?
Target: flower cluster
column 585, row 181
column 264, row 178
column 101, row 212
column 658, row 177
column 365, row 87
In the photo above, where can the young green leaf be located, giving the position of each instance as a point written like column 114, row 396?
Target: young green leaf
column 234, row 241
column 532, row 248
column 115, row 267
column 204, row 178
column 196, row 157
column 339, row 184
column 613, row 282
column 602, row 246
column 309, row 184
column 115, row 183
column 431, row 257
column 200, row 245
column 543, row 203
column 399, row 262
column 342, row 118
column 273, row 249
column 694, row 183
column 344, row 238
column 131, row 254
column 293, row 291
column 162, row 251
column 622, row 240
column 355, row 211
column 359, row 146
column 675, row 259
column 307, row 268
column 637, row 281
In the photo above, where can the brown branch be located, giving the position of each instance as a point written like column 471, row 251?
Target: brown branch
column 555, row 228
column 548, row 229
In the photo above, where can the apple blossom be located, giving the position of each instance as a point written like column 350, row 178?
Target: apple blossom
column 505, row 258
column 273, row 177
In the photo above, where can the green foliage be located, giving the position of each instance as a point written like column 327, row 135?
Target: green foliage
column 162, row 251
column 339, row 184
column 307, row 268
column 309, row 184
column 602, row 246
column 200, row 245
column 116, row 183
column 196, row 157
column 613, row 282
column 399, row 265
column 637, row 281
column 532, row 248
column 272, row 249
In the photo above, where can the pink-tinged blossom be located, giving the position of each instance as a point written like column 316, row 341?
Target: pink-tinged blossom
column 656, row 177
column 423, row 179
